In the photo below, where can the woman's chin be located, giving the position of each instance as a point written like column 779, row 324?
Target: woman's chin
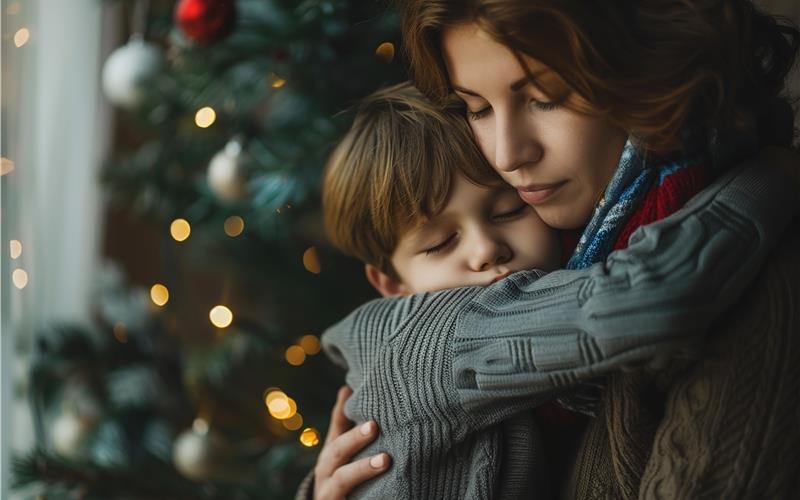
column 562, row 217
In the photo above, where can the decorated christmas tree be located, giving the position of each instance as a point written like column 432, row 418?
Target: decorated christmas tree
column 200, row 374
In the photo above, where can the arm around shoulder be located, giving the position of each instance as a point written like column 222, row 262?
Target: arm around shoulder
column 657, row 296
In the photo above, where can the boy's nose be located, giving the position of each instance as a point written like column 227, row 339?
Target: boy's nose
column 488, row 252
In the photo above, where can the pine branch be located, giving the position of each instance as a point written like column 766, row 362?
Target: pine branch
column 94, row 481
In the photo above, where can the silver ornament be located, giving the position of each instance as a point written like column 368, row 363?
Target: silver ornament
column 128, row 69
column 226, row 172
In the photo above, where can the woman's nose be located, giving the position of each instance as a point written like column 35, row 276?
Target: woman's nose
column 516, row 142
column 488, row 250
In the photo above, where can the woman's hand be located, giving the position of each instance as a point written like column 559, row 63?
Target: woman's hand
column 334, row 476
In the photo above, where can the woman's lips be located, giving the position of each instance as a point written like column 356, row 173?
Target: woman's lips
column 536, row 194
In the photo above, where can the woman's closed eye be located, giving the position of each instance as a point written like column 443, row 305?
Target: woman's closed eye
column 481, row 113
column 533, row 103
column 544, row 106
column 440, row 247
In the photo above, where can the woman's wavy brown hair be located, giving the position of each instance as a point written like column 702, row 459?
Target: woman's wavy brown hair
column 649, row 66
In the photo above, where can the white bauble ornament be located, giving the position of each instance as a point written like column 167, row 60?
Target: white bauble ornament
column 200, row 455
column 226, row 172
column 70, row 433
column 127, row 69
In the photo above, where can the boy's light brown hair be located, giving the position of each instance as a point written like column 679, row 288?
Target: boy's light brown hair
column 395, row 168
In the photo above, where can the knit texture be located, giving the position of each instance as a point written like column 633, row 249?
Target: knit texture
column 665, row 198
column 444, row 390
column 670, row 185
column 724, row 426
column 635, row 179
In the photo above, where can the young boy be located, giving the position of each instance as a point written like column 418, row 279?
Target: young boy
column 409, row 193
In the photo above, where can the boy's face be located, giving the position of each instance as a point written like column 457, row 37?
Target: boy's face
column 482, row 235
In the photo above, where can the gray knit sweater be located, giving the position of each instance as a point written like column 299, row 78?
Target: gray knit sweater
column 448, row 375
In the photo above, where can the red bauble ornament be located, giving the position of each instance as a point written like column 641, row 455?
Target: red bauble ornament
column 205, row 21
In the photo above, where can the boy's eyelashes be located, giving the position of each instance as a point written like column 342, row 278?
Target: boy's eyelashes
column 501, row 217
column 441, row 246
column 504, row 216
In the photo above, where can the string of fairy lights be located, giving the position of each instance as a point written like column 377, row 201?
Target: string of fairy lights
column 279, row 405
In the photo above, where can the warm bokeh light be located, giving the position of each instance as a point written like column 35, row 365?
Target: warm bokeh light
column 221, row 316
column 385, row 51
column 276, row 81
column 15, row 249
column 20, row 278
column 282, row 407
column 273, row 394
column 6, row 166
column 311, row 261
column 309, row 437
column 294, row 422
column 121, row 332
column 295, row 355
column 159, row 294
column 21, row 37
column 180, row 229
column 234, row 225
column 310, row 344
column 205, row 117
column 13, row 9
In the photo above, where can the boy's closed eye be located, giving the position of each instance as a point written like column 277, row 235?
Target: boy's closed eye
column 440, row 247
column 504, row 215
column 515, row 212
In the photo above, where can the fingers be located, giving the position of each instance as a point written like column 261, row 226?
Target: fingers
column 339, row 422
column 334, row 477
column 347, row 477
column 339, row 451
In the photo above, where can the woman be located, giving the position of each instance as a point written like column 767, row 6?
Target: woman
column 607, row 116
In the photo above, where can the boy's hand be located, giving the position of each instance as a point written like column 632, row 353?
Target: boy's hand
column 334, row 476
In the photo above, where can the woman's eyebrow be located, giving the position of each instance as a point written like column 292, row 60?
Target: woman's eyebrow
column 514, row 87
column 465, row 91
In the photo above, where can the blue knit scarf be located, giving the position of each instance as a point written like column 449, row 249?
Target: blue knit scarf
column 633, row 179
column 631, row 182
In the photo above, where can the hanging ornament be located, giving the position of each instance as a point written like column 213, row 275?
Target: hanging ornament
column 127, row 71
column 72, row 429
column 70, row 434
column 205, row 21
column 204, row 454
column 196, row 455
column 226, row 172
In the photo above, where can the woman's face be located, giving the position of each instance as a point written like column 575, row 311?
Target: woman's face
column 560, row 161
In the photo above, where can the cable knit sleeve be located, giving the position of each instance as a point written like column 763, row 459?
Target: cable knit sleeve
column 525, row 335
column 531, row 335
column 433, row 368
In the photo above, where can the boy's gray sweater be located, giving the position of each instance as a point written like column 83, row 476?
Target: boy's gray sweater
column 448, row 375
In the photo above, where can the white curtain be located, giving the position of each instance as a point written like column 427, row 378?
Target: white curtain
column 56, row 131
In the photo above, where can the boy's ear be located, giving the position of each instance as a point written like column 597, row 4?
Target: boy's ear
column 383, row 283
